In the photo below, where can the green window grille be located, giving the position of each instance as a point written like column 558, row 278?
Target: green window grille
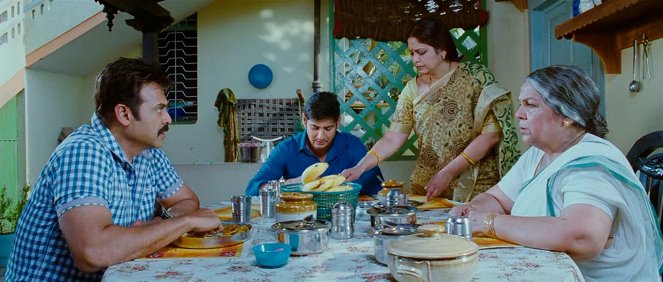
column 178, row 55
column 369, row 76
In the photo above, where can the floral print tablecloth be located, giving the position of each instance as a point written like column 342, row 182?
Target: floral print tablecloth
column 348, row 260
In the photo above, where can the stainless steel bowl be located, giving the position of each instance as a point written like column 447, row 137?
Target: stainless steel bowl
column 306, row 237
column 381, row 237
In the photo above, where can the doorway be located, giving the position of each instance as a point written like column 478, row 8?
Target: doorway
column 546, row 50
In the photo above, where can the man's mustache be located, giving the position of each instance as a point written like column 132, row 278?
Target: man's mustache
column 163, row 129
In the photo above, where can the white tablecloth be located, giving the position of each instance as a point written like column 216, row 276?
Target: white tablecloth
column 348, row 260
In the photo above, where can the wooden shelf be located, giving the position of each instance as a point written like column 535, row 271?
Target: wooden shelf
column 612, row 26
column 520, row 4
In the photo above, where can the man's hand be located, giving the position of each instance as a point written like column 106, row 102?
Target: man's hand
column 204, row 220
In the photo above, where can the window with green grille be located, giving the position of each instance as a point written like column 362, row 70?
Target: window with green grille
column 369, row 76
column 178, row 55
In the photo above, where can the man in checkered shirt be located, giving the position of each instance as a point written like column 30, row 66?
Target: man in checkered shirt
column 93, row 205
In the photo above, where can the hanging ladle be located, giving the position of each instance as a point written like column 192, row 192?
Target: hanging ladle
column 634, row 86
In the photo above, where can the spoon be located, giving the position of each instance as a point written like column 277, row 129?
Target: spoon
column 634, row 86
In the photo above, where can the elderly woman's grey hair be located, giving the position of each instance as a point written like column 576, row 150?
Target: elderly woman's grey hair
column 571, row 93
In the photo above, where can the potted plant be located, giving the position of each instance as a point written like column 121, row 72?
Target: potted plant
column 9, row 212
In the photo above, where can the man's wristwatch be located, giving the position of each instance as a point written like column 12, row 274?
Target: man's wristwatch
column 166, row 214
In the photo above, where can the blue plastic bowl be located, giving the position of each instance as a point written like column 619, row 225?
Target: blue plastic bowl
column 272, row 255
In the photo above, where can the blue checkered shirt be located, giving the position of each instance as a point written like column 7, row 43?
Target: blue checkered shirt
column 88, row 168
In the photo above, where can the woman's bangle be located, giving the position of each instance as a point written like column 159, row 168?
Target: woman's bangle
column 375, row 154
column 469, row 160
column 489, row 225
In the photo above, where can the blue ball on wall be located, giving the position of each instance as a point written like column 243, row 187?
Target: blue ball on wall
column 260, row 76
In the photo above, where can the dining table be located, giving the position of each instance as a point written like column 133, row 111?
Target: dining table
column 343, row 260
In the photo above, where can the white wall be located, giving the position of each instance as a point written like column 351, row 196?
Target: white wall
column 54, row 19
column 631, row 116
column 508, row 52
column 52, row 101
column 12, row 53
column 234, row 36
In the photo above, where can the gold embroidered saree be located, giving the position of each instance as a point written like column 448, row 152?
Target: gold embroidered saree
column 446, row 118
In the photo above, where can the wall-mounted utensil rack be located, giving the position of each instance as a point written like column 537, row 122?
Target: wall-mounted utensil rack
column 612, row 26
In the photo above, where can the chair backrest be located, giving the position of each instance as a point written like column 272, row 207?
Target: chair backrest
column 650, row 167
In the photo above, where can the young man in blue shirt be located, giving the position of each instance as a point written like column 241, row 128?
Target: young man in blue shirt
column 94, row 203
column 320, row 142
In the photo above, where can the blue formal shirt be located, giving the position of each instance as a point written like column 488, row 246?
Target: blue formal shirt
column 88, row 169
column 291, row 157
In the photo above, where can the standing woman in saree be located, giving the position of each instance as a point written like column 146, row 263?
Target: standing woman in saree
column 462, row 118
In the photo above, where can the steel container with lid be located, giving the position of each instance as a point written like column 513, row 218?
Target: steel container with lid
column 381, row 237
column 295, row 206
column 387, row 186
column 306, row 237
column 395, row 197
column 381, row 215
column 431, row 256
column 342, row 223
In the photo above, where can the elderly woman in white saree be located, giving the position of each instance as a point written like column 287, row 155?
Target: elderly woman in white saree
column 572, row 191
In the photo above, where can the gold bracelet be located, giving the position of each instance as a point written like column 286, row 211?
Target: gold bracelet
column 375, row 154
column 489, row 225
column 470, row 160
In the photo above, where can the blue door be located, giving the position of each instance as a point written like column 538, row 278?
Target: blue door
column 546, row 50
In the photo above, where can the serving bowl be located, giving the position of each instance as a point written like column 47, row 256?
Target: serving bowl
column 305, row 237
column 271, row 255
column 431, row 257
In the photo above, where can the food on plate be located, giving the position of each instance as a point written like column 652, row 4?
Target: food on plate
column 221, row 231
column 313, row 171
column 435, row 203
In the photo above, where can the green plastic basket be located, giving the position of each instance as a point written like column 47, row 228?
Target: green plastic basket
column 326, row 200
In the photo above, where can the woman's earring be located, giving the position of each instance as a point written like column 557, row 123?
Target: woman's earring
column 566, row 123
